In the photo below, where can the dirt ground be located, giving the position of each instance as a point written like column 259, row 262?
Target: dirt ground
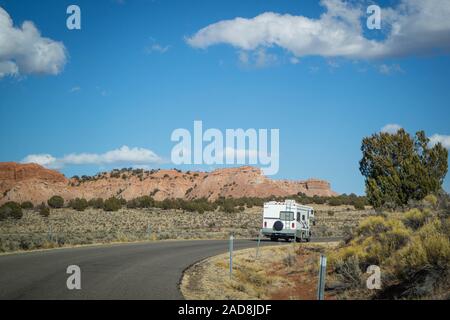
column 281, row 272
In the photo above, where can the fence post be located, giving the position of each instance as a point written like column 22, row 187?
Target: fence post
column 322, row 273
column 231, row 256
column 149, row 230
column 50, row 235
column 257, row 247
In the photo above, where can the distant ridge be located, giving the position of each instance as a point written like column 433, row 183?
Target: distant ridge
column 32, row 182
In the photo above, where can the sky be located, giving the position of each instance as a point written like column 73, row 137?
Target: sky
column 110, row 94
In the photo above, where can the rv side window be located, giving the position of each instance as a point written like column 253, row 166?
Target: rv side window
column 298, row 216
column 286, row 215
column 303, row 217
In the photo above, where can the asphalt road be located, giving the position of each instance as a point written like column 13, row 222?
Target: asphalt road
column 125, row 271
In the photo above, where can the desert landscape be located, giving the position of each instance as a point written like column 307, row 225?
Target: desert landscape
column 57, row 212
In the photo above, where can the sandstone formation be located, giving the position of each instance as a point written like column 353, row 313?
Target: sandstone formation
column 31, row 182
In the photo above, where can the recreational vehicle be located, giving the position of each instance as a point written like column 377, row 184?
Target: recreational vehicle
column 287, row 220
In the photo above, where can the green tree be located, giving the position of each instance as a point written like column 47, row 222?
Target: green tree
column 43, row 210
column 96, row 203
column 398, row 168
column 112, row 204
column 11, row 210
column 56, row 202
column 27, row 205
column 79, row 204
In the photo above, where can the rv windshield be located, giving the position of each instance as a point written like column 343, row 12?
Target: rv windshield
column 286, row 215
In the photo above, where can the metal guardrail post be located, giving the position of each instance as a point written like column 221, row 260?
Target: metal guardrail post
column 257, row 246
column 149, row 230
column 231, row 256
column 322, row 273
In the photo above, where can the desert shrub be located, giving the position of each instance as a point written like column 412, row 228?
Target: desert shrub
column 378, row 248
column 132, row 204
column 141, row 202
column 335, row 201
column 416, row 218
column 56, row 202
column 413, row 251
column 348, row 271
column 330, row 213
column 115, row 174
column 11, row 209
column 79, row 204
column 112, row 204
column 431, row 199
column 228, row 207
column 96, row 203
column 372, row 226
column 43, row 210
column 428, row 250
column 359, row 204
column 27, row 205
column 318, row 200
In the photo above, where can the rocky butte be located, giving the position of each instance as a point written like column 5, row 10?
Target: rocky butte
column 32, row 182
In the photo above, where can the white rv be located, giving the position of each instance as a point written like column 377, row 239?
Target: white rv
column 287, row 220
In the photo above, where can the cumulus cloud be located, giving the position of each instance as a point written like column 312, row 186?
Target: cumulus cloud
column 258, row 59
column 391, row 128
column 443, row 139
column 134, row 156
column 412, row 27
column 24, row 51
column 45, row 160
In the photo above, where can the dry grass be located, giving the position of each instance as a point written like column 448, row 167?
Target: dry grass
column 412, row 249
column 337, row 220
column 67, row 227
column 281, row 272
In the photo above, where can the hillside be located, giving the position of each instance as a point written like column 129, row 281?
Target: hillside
column 31, row 182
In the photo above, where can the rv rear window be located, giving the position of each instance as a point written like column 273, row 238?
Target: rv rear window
column 286, row 215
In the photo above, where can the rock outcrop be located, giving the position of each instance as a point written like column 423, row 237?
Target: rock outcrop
column 31, row 182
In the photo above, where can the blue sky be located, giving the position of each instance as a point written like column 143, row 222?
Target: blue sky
column 137, row 70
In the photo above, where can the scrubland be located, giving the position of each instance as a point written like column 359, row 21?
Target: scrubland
column 69, row 227
column 411, row 248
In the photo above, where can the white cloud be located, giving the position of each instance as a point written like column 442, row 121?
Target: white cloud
column 134, row 156
column 413, row 27
column 443, row 139
column 157, row 48
column 74, row 89
column 24, row 51
column 45, row 160
column 294, row 60
column 259, row 58
column 389, row 69
column 391, row 128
